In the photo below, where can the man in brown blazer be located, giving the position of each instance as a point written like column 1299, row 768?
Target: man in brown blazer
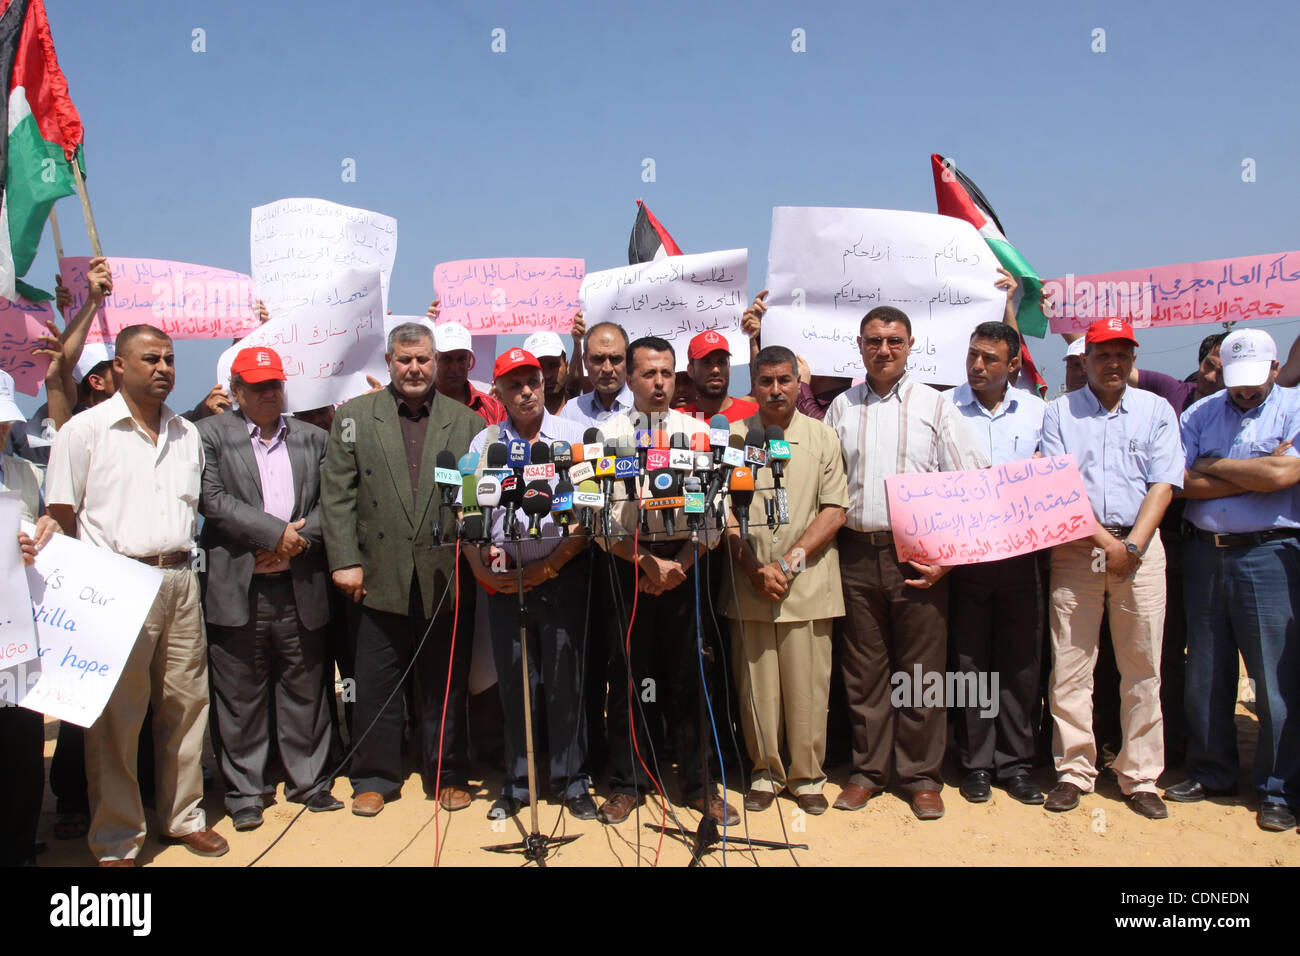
column 379, row 500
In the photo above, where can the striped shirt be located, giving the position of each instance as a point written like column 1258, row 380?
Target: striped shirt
column 912, row 428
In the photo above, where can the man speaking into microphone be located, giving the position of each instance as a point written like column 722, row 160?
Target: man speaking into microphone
column 540, row 560
column 787, row 591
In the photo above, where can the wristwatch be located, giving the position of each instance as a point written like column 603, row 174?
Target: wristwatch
column 1133, row 549
column 785, row 567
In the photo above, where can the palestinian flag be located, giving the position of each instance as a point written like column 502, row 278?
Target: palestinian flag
column 650, row 240
column 44, row 137
column 960, row 198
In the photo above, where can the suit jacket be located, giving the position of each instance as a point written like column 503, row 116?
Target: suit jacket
column 368, row 516
column 235, row 523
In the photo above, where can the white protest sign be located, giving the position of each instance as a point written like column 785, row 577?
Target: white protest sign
column 828, row 267
column 296, row 244
column 675, row 298
column 327, row 348
column 88, row 605
column 17, row 632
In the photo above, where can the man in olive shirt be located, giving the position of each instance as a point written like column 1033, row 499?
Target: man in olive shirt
column 787, row 591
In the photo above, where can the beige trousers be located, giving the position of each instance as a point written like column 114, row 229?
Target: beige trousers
column 1081, row 590
column 787, row 670
column 168, row 667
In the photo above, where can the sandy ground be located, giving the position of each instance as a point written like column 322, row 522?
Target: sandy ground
column 1103, row 831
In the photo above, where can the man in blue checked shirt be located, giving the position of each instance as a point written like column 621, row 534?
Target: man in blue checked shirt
column 1126, row 444
column 998, row 625
column 555, row 593
column 1243, row 574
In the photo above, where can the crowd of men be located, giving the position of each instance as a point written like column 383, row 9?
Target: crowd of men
column 333, row 540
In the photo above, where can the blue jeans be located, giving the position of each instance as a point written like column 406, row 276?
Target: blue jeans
column 1242, row 599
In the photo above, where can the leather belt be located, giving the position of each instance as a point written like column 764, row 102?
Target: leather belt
column 272, row 575
column 1119, row 531
column 881, row 539
column 1247, row 539
column 169, row 560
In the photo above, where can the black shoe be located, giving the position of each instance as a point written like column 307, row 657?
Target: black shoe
column 323, row 802
column 977, row 787
column 249, row 818
column 1275, row 816
column 581, row 807
column 1021, row 788
column 1189, row 791
column 504, row 807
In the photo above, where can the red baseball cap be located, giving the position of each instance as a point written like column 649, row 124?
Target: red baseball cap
column 516, row 358
column 1104, row 330
column 707, row 342
column 258, row 365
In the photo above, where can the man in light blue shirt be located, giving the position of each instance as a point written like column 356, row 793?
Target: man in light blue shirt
column 604, row 352
column 999, row 628
column 1242, row 574
column 1127, row 447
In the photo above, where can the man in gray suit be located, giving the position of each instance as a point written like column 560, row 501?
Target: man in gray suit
column 264, row 594
column 379, row 500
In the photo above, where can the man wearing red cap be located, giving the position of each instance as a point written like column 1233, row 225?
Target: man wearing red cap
column 709, row 366
column 265, row 594
column 1127, row 447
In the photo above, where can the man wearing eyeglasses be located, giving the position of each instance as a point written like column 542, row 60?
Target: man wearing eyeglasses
column 896, row 613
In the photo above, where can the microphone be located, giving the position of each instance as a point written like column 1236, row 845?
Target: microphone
column 679, row 453
column 488, row 494
column 665, row 485
column 755, row 455
column 732, row 457
column 541, row 468
column 657, row 456
column 742, row 495
column 468, row 463
column 778, row 451
column 519, row 453
column 626, row 467
column 589, row 498
column 592, row 444
column 472, row 527
column 719, row 432
column 469, row 504
column 497, row 454
column 562, row 505
column 644, row 442
column 537, row 505
column 693, row 502
column 447, row 476
column 562, row 457
column 512, row 496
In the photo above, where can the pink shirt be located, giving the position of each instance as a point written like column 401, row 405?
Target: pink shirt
column 276, row 476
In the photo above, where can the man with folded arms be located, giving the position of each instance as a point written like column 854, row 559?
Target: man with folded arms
column 998, row 628
column 265, row 592
column 896, row 615
column 125, row 476
column 1242, row 554
column 787, row 592
column 555, row 594
column 1125, row 442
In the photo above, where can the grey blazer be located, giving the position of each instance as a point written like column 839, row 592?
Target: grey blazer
column 235, row 523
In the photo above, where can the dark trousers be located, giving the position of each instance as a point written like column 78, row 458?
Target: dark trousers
column 22, row 755
column 602, row 639
column 1243, row 599
column 1173, row 653
column 553, row 615
column 890, row 628
column 272, row 657
column 663, row 666
column 995, row 628
column 68, row 767
column 385, row 644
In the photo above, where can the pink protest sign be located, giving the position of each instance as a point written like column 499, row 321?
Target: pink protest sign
column 185, row 301
column 1220, row 290
column 965, row 517
column 21, row 326
column 505, row 296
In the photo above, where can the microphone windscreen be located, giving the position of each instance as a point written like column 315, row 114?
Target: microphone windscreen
column 700, row 441
column 754, row 437
column 592, row 436
column 774, row 433
column 611, row 447
column 719, row 421
column 660, row 438
column 541, row 454
column 497, row 454
column 588, row 486
column 468, row 463
column 679, row 440
column 742, row 479
column 469, row 491
column 537, row 498
column 735, row 441
column 445, row 459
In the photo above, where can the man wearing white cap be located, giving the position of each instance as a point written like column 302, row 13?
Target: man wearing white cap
column 1076, row 376
column 549, row 351
column 452, row 361
column 1243, row 571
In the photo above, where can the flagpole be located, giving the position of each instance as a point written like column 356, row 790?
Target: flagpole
column 54, row 232
column 95, row 248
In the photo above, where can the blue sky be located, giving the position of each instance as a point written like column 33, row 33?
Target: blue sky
column 1094, row 161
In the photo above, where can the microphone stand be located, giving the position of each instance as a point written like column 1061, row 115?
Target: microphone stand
column 534, row 845
column 706, row 834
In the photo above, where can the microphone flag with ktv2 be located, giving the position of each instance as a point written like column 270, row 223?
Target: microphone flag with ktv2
column 447, row 477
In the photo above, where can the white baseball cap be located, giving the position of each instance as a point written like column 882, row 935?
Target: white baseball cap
column 1075, row 348
column 451, row 336
column 8, row 408
column 544, row 345
column 1248, row 356
column 92, row 353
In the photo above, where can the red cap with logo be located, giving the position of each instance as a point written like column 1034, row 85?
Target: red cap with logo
column 1104, row 330
column 707, row 342
column 516, row 358
column 258, row 364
